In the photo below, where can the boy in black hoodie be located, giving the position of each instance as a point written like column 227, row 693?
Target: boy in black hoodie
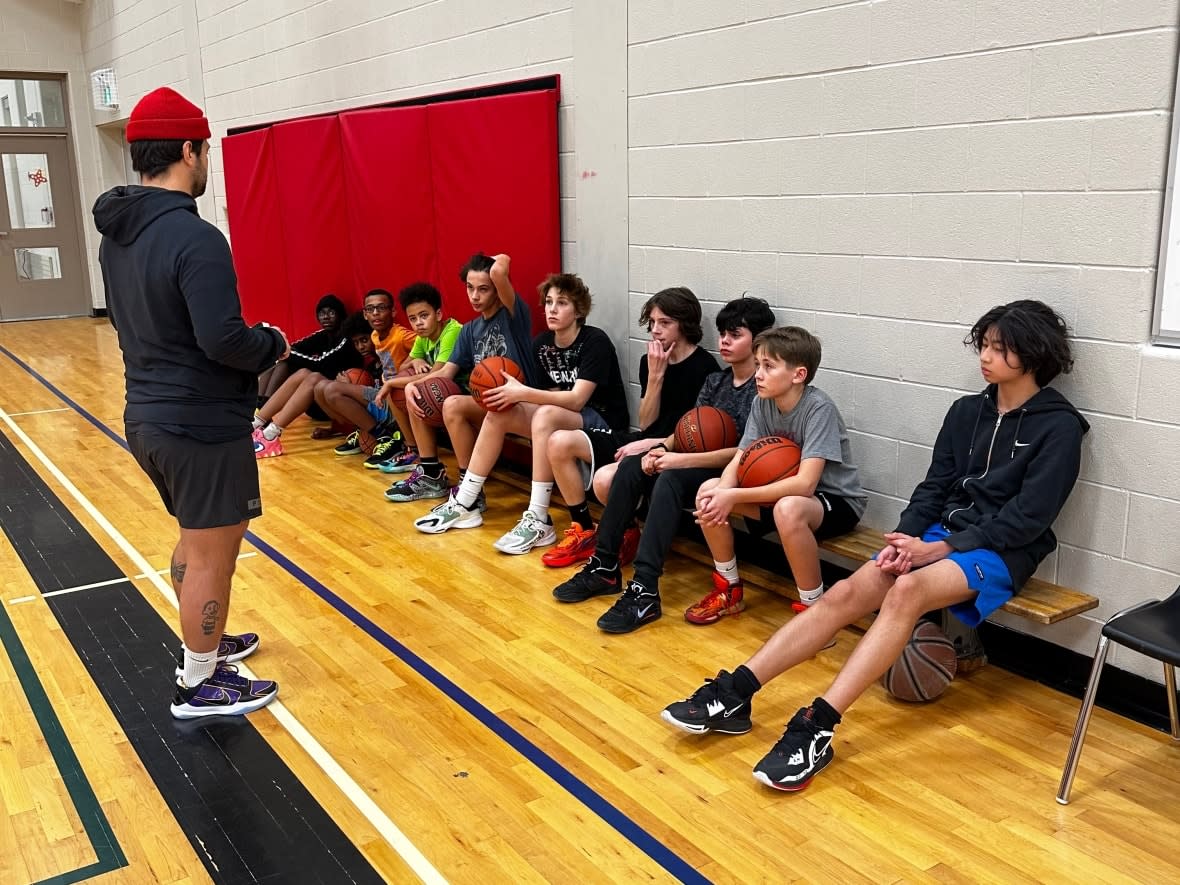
column 974, row 532
column 191, row 366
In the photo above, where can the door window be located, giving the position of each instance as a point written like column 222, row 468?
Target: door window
column 29, row 190
column 34, row 104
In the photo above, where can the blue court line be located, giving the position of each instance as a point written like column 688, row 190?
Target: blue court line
column 633, row 832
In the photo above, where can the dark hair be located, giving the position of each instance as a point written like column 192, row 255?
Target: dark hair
column 334, row 303
column 416, row 293
column 681, row 305
column 357, row 325
column 1033, row 331
column 479, row 263
column 388, row 295
column 794, row 346
column 151, row 159
column 569, row 284
column 751, row 313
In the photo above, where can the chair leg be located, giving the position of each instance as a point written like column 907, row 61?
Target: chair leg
column 1079, row 732
column 1170, row 685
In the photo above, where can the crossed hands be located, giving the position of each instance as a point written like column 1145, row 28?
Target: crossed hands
column 660, row 459
column 714, row 506
column 903, row 553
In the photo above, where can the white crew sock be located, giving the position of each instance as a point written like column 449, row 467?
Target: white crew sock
column 272, row 431
column 728, row 570
column 811, row 597
column 539, row 499
column 469, row 489
column 198, row 666
column 259, row 423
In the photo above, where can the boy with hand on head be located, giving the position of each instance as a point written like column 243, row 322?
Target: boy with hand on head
column 670, row 377
column 502, row 327
column 975, row 530
column 582, row 393
column 422, row 304
column 823, row 499
column 297, row 393
column 354, row 404
column 668, row 479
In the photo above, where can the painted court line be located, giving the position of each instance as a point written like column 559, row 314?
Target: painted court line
column 164, row 571
column 35, row 412
column 359, row 798
column 596, row 803
column 51, row 593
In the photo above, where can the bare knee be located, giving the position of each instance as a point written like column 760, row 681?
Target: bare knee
column 602, row 481
column 791, row 514
column 562, row 445
column 905, row 599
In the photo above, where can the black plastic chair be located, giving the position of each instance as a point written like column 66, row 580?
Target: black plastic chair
column 1150, row 628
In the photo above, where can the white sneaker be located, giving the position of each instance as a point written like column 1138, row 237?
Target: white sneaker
column 530, row 532
column 452, row 514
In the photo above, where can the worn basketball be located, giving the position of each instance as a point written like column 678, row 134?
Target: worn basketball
column 432, row 391
column 768, row 460
column 706, row 429
column 359, row 376
column 926, row 667
column 486, row 376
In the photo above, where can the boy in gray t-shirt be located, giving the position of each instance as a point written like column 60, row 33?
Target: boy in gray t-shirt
column 823, row 499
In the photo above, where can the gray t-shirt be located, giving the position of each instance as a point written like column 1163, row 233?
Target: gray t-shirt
column 816, row 426
column 719, row 391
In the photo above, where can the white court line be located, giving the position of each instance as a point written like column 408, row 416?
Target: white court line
column 36, row 412
column 96, row 584
column 351, row 789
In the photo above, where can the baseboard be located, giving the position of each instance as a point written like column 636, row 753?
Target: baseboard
column 96, row 312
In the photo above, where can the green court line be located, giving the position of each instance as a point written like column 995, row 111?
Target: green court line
column 102, row 838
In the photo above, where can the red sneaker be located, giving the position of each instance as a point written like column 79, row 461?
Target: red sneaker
column 577, row 546
column 630, row 546
column 724, row 599
column 267, row 448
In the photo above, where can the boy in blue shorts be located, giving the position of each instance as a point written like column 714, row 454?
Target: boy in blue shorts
column 975, row 530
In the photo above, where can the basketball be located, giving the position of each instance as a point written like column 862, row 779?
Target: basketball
column 359, row 376
column 486, row 375
column 397, row 396
column 768, row 460
column 706, row 429
column 431, row 393
column 926, row 666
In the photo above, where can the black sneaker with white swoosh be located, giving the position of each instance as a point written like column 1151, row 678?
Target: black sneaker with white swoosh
column 803, row 751
column 715, row 706
column 636, row 607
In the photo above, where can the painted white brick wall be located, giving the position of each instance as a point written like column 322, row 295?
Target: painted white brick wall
column 910, row 163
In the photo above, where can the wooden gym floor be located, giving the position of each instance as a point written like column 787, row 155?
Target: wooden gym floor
column 442, row 718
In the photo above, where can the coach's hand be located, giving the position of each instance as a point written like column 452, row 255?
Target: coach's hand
column 286, row 343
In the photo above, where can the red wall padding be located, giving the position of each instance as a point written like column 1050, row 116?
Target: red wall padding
column 252, row 204
column 384, row 197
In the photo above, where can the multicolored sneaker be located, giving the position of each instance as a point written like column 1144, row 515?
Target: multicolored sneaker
column 418, row 487
column 594, row 579
column 451, row 515
column 225, row 693
column 723, row 599
column 630, row 546
column 715, row 706
column 578, row 546
column 236, row 646
column 350, row 446
column 531, row 531
column 404, row 462
column 801, row 753
column 384, row 451
column 636, row 607
column 267, row 448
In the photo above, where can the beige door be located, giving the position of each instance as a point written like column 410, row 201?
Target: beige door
column 40, row 257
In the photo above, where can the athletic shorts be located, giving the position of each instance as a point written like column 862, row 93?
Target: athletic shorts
column 204, row 485
column 986, row 574
column 839, row 517
column 380, row 414
column 603, row 441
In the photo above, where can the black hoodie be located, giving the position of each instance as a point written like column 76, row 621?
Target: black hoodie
column 998, row 481
column 189, row 357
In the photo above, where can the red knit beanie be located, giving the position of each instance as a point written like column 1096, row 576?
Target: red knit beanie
column 165, row 114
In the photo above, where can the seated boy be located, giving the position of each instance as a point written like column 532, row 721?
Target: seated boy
column 670, row 377
column 297, row 393
column 973, row 533
column 502, row 327
column 353, row 404
column 311, row 351
column 668, row 479
column 582, row 392
column 422, row 304
column 822, row 500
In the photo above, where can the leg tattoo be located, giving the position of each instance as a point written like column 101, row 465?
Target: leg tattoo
column 209, row 613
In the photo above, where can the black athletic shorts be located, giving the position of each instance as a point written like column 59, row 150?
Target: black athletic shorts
column 204, row 485
column 839, row 517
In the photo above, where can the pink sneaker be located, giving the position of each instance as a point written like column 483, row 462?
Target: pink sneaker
column 267, row 448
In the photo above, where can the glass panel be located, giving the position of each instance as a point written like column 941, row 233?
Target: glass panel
column 30, row 194
column 32, row 103
column 41, row 263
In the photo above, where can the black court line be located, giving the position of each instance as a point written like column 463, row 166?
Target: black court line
column 247, row 816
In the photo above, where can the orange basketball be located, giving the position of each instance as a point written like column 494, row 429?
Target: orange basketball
column 432, row 391
column 706, row 429
column 768, row 460
column 397, row 396
column 486, row 375
column 359, row 376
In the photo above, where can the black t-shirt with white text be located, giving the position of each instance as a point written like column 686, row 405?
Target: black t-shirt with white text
column 590, row 357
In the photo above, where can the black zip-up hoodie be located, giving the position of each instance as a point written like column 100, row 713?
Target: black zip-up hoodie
column 998, row 481
column 172, row 296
